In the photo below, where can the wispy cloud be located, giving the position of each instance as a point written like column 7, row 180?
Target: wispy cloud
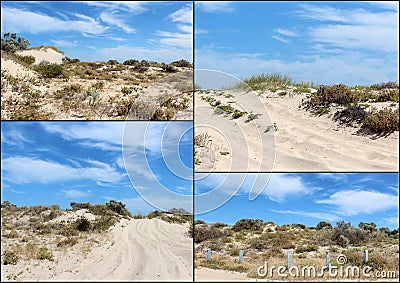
column 353, row 28
column 18, row 170
column 281, row 39
column 285, row 32
column 64, row 43
column 215, row 6
column 115, row 20
column 20, row 20
column 367, row 202
column 77, row 194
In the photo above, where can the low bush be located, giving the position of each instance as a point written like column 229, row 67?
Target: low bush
column 44, row 253
column 383, row 122
column 202, row 233
column 10, row 257
column 247, row 224
column 82, row 224
column 50, row 70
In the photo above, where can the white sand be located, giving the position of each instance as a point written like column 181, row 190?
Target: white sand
column 302, row 141
column 211, row 275
column 136, row 250
column 44, row 54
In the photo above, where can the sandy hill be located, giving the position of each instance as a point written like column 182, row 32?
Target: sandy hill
column 42, row 83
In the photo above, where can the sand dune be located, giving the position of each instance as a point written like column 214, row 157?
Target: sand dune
column 43, row 54
column 302, row 141
column 145, row 249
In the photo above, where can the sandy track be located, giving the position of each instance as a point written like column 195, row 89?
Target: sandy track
column 303, row 142
column 146, row 249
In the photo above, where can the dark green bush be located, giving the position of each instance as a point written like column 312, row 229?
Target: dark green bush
column 323, row 224
column 202, row 233
column 383, row 122
column 247, row 224
column 49, row 70
column 181, row 63
column 82, row 224
column 11, row 43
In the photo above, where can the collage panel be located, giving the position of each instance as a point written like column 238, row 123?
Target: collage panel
column 296, row 87
column 96, row 60
column 96, row 201
column 300, row 227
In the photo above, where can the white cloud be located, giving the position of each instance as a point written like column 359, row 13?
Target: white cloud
column 134, row 7
column 183, row 15
column 76, row 194
column 19, row 170
column 392, row 220
column 215, row 6
column 281, row 39
column 176, row 39
column 332, row 176
column 388, row 5
column 64, row 43
column 353, row 202
column 101, row 135
column 354, row 28
column 114, row 20
column 285, row 32
column 14, row 137
column 19, row 20
column 281, row 186
column 318, row 215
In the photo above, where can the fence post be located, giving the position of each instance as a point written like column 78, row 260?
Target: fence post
column 328, row 263
column 208, row 254
column 241, row 256
column 366, row 256
column 289, row 259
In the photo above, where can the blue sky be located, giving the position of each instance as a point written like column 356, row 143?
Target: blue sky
column 103, row 30
column 306, row 198
column 59, row 162
column 326, row 42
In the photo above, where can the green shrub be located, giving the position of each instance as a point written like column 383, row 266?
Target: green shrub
column 247, row 224
column 82, row 224
column 10, row 257
column 29, row 59
column 114, row 62
column 323, row 224
column 383, row 122
column 103, row 223
column 69, row 242
column 202, row 233
column 11, row 43
column 181, row 63
column 237, row 114
column 219, row 224
column 308, row 248
column 68, row 232
column 49, row 70
column 44, row 253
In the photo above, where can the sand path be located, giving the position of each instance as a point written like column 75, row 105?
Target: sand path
column 145, row 249
column 302, row 141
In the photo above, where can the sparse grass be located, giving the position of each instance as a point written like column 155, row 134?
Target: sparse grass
column 264, row 81
column 10, row 257
column 202, row 139
column 49, row 70
column 251, row 117
column 44, row 47
column 44, row 254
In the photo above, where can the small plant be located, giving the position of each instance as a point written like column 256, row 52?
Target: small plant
column 221, row 109
column 69, row 242
column 44, row 253
column 251, row 117
column 10, row 257
column 237, row 114
column 127, row 90
column 270, row 127
column 321, row 111
column 224, row 152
